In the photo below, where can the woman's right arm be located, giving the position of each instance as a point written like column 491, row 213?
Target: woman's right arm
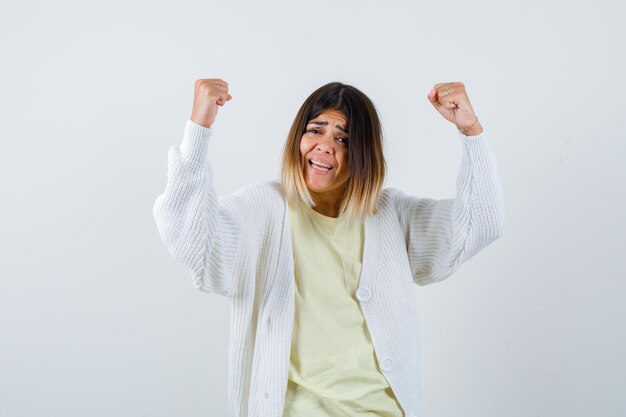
column 199, row 228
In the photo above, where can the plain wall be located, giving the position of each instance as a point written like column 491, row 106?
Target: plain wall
column 96, row 319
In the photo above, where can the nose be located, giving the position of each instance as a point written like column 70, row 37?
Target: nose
column 325, row 144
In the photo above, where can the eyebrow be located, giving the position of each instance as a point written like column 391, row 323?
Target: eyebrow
column 324, row 123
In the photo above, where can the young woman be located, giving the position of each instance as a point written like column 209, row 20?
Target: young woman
column 320, row 266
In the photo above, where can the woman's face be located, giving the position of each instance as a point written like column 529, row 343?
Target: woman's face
column 326, row 141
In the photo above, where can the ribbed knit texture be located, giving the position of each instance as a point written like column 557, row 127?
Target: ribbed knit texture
column 239, row 246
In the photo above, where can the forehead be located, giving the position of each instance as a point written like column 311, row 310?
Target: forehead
column 334, row 115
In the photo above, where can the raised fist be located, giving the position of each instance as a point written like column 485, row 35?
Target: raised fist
column 451, row 101
column 208, row 95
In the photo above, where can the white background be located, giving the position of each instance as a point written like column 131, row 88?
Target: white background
column 96, row 319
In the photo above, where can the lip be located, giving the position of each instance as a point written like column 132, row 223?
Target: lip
column 318, row 171
column 322, row 161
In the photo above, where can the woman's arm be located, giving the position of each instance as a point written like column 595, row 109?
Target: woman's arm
column 199, row 228
column 443, row 234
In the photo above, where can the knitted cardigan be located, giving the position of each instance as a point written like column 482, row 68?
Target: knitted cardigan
column 239, row 246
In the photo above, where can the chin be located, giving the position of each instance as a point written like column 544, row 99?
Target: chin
column 316, row 187
column 320, row 188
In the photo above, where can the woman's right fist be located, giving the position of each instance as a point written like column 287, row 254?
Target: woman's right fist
column 208, row 95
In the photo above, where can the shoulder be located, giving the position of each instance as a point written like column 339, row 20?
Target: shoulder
column 389, row 193
column 258, row 197
column 395, row 202
column 264, row 190
column 390, row 198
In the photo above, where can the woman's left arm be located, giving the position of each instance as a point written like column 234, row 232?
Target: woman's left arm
column 443, row 234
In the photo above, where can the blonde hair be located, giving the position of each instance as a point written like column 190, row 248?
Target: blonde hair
column 366, row 162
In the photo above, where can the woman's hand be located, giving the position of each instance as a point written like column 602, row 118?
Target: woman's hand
column 451, row 101
column 209, row 94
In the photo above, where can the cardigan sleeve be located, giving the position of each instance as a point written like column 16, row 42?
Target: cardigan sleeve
column 199, row 228
column 443, row 234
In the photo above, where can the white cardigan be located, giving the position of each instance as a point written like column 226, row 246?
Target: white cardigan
column 239, row 246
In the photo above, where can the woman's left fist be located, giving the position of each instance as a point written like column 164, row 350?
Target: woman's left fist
column 451, row 101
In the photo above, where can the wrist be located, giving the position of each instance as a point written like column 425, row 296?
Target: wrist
column 473, row 130
column 201, row 121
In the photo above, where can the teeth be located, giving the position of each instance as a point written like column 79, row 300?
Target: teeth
column 321, row 164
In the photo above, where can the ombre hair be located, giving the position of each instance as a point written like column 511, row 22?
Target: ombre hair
column 366, row 162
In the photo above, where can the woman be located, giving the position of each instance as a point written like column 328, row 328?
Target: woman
column 320, row 266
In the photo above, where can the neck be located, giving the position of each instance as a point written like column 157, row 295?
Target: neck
column 328, row 206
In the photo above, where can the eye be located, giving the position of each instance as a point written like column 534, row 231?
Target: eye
column 341, row 139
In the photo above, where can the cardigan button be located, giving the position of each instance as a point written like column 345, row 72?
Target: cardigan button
column 363, row 294
column 267, row 395
column 386, row 364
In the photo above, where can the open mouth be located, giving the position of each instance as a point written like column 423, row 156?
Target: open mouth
column 318, row 166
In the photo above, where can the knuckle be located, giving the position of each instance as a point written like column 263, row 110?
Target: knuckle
column 202, row 85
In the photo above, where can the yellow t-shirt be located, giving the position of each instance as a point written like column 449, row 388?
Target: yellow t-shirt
column 333, row 368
